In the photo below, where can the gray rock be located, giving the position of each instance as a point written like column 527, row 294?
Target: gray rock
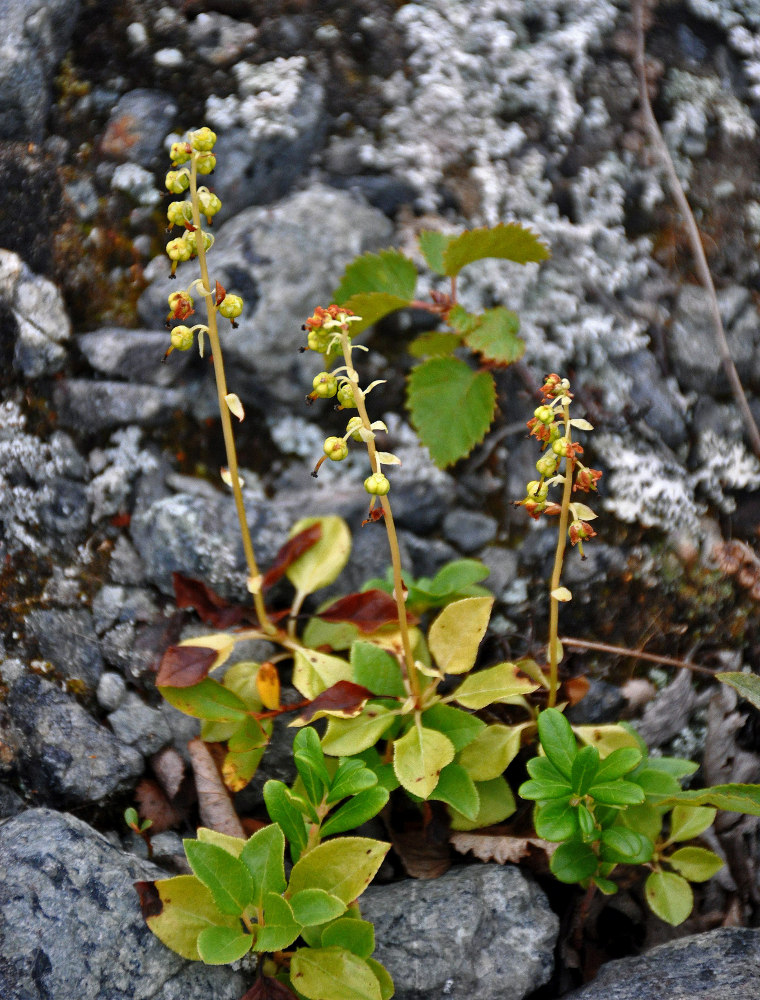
column 268, row 131
column 10, row 803
column 140, row 726
column 64, row 755
column 134, row 355
column 713, row 966
column 284, row 261
column 654, row 398
column 71, row 926
column 483, row 931
column 91, row 406
column 68, row 640
column 113, row 605
column 469, row 530
column 42, row 325
column 201, row 539
column 138, row 125
column 691, row 342
column 111, row 690
column 125, row 566
column 36, row 34
column 218, row 39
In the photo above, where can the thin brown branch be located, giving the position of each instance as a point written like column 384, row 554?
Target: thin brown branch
column 637, row 654
column 700, row 259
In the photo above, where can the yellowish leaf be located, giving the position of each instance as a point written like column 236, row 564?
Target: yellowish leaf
column 457, row 632
column 268, row 685
column 234, row 405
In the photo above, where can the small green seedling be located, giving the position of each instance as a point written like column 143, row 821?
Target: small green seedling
column 139, row 827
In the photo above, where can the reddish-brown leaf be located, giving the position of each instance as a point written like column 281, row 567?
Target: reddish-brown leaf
column 183, row 666
column 210, row 607
column 291, row 550
column 575, row 689
column 268, row 988
column 369, row 611
column 154, row 805
column 150, row 901
column 345, row 696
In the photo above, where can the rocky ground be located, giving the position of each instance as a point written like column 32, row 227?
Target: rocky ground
column 347, row 127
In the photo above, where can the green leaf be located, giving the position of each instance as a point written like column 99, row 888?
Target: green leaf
column 314, row 672
column 227, row 878
column 375, row 669
column 178, row 909
column 676, row 767
column 669, row 896
column 263, row 856
column 387, row 271
column 460, row 727
column 444, row 386
column 280, row 928
column 607, row 738
column 617, row 793
column 283, row 811
column 499, row 683
column 491, row 752
column 644, row 818
column 747, row 685
column 315, row 906
column 657, row 784
column 373, row 306
column 248, row 736
column 207, row 700
column 342, row 867
column 584, row 770
column 321, row 564
column 456, row 576
column 333, row 974
column 496, row 803
column 434, row 344
column 586, row 823
column 232, row 845
column 457, row 789
column 573, row 862
column 433, row 245
column 239, row 768
column 556, row 820
column 457, row 632
column 687, row 822
column 310, row 764
column 620, row 845
column 240, row 678
column 618, row 763
column 510, row 241
column 732, row 798
column 351, row 777
column 419, row 757
column 494, row 336
column 697, row 864
column 557, row 740
column 349, row 736
column 383, row 977
column 221, row 945
column 352, row 933
column 544, row 791
column 359, row 809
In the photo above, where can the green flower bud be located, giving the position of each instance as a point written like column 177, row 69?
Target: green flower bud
column 346, row 396
column 536, row 491
column 377, row 484
column 179, row 212
column 335, row 448
column 203, row 139
column 318, row 340
column 547, row 464
column 325, row 385
column 182, row 338
column 179, row 249
column 561, row 446
column 231, row 306
column 209, row 203
column 179, row 153
column 353, row 426
column 205, row 163
column 191, row 239
column 544, row 413
column 177, row 181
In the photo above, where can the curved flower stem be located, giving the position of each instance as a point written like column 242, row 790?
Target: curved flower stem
column 390, row 527
column 559, row 556
column 221, row 391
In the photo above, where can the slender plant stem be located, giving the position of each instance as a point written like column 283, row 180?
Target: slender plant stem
column 700, row 259
column 390, row 526
column 559, row 556
column 637, row 654
column 221, row 391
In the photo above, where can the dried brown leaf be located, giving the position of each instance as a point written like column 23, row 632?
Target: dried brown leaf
column 215, row 805
column 184, row 666
column 344, row 697
column 290, row 551
column 153, row 804
column 502, row 848
column 212, row 609
column 369, row 611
